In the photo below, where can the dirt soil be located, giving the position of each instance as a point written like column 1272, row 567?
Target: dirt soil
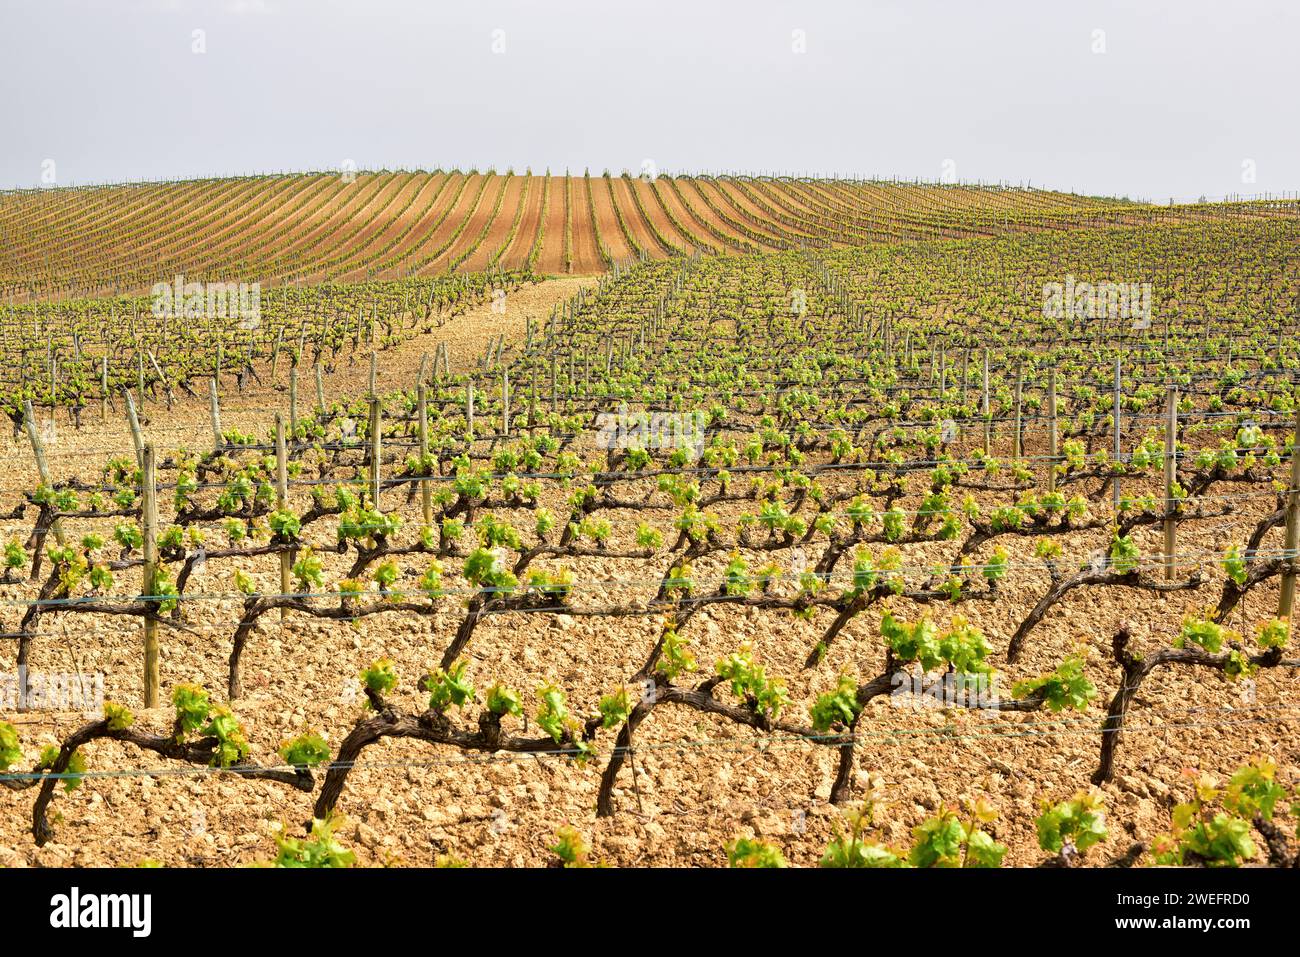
column 699, row 782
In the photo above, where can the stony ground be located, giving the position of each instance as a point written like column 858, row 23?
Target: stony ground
column 698, row 782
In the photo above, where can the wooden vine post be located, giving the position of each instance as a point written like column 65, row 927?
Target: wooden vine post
column 217, row 440
column 1286, row 598
column 1052, row 430
column 1020, row 389
column 42, row 466
column 505, row 402
column 275, row 354
column 1119, row 371
column 167, row 388
column 426, row 493
column 293, row 399
column 149, row 497
column 1171, row 476
column 985, row 407
column 532, row 402
column 376, row 449
column 133, row 420
column 281, row 502
column 554, row 399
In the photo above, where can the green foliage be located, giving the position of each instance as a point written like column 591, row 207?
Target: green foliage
column 917, row 642
column 485, row 570
column 72, row 774
column 10, row 750
column 431, row 581
column 321, row 849
column 995, row 568
column 837, row 707
column 192, row 708
column 502, row 701
column 386, row 574
column 735, row 578
column 894, row 524
column 753, row 852
column 570, row 848
column 648, row 537
column 545, row 521
column 101, row 579
column 305, row 751
column 119, row 717
column 1047, row 549
column 351, row 589
column 963, row 646
column 1066, row 687
column 231, row 746
column 553, row 717
column 164, row 590
column 750, row 683
column 945, row 840
column 1274, row 633
column 1078, row 822
column 15, row 555
column 1124, row 554
column 615, row 709
column 864, row 574
column 379, row 677
column 678, row 581
column 852, row 848
column 1213, row 828
column 494, row 533
column 308, row 571
column 938, row 841
column 553, row 714
column 245, row 584
column 675, row 657
column 1207, row 634
column 449, row 687
column 1253, row 790
column 1235, row 566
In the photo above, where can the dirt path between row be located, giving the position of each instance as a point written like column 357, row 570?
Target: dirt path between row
column 188, row 424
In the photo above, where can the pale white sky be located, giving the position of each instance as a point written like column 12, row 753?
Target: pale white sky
column 1184, row 94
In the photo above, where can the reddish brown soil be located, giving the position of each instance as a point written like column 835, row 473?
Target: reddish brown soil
column 477, row 216
column 522, row 244
column 499, row 227
column 610, row 232
column 586, row 254
column 551, row 262
column 276, row 226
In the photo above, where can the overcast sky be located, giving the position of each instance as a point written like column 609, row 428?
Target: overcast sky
column 1146, row 99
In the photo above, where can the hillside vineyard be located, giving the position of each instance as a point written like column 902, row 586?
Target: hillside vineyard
column 510, row 518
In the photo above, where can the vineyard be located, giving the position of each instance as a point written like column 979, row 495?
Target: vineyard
column 310, row 228
column 804, row 533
